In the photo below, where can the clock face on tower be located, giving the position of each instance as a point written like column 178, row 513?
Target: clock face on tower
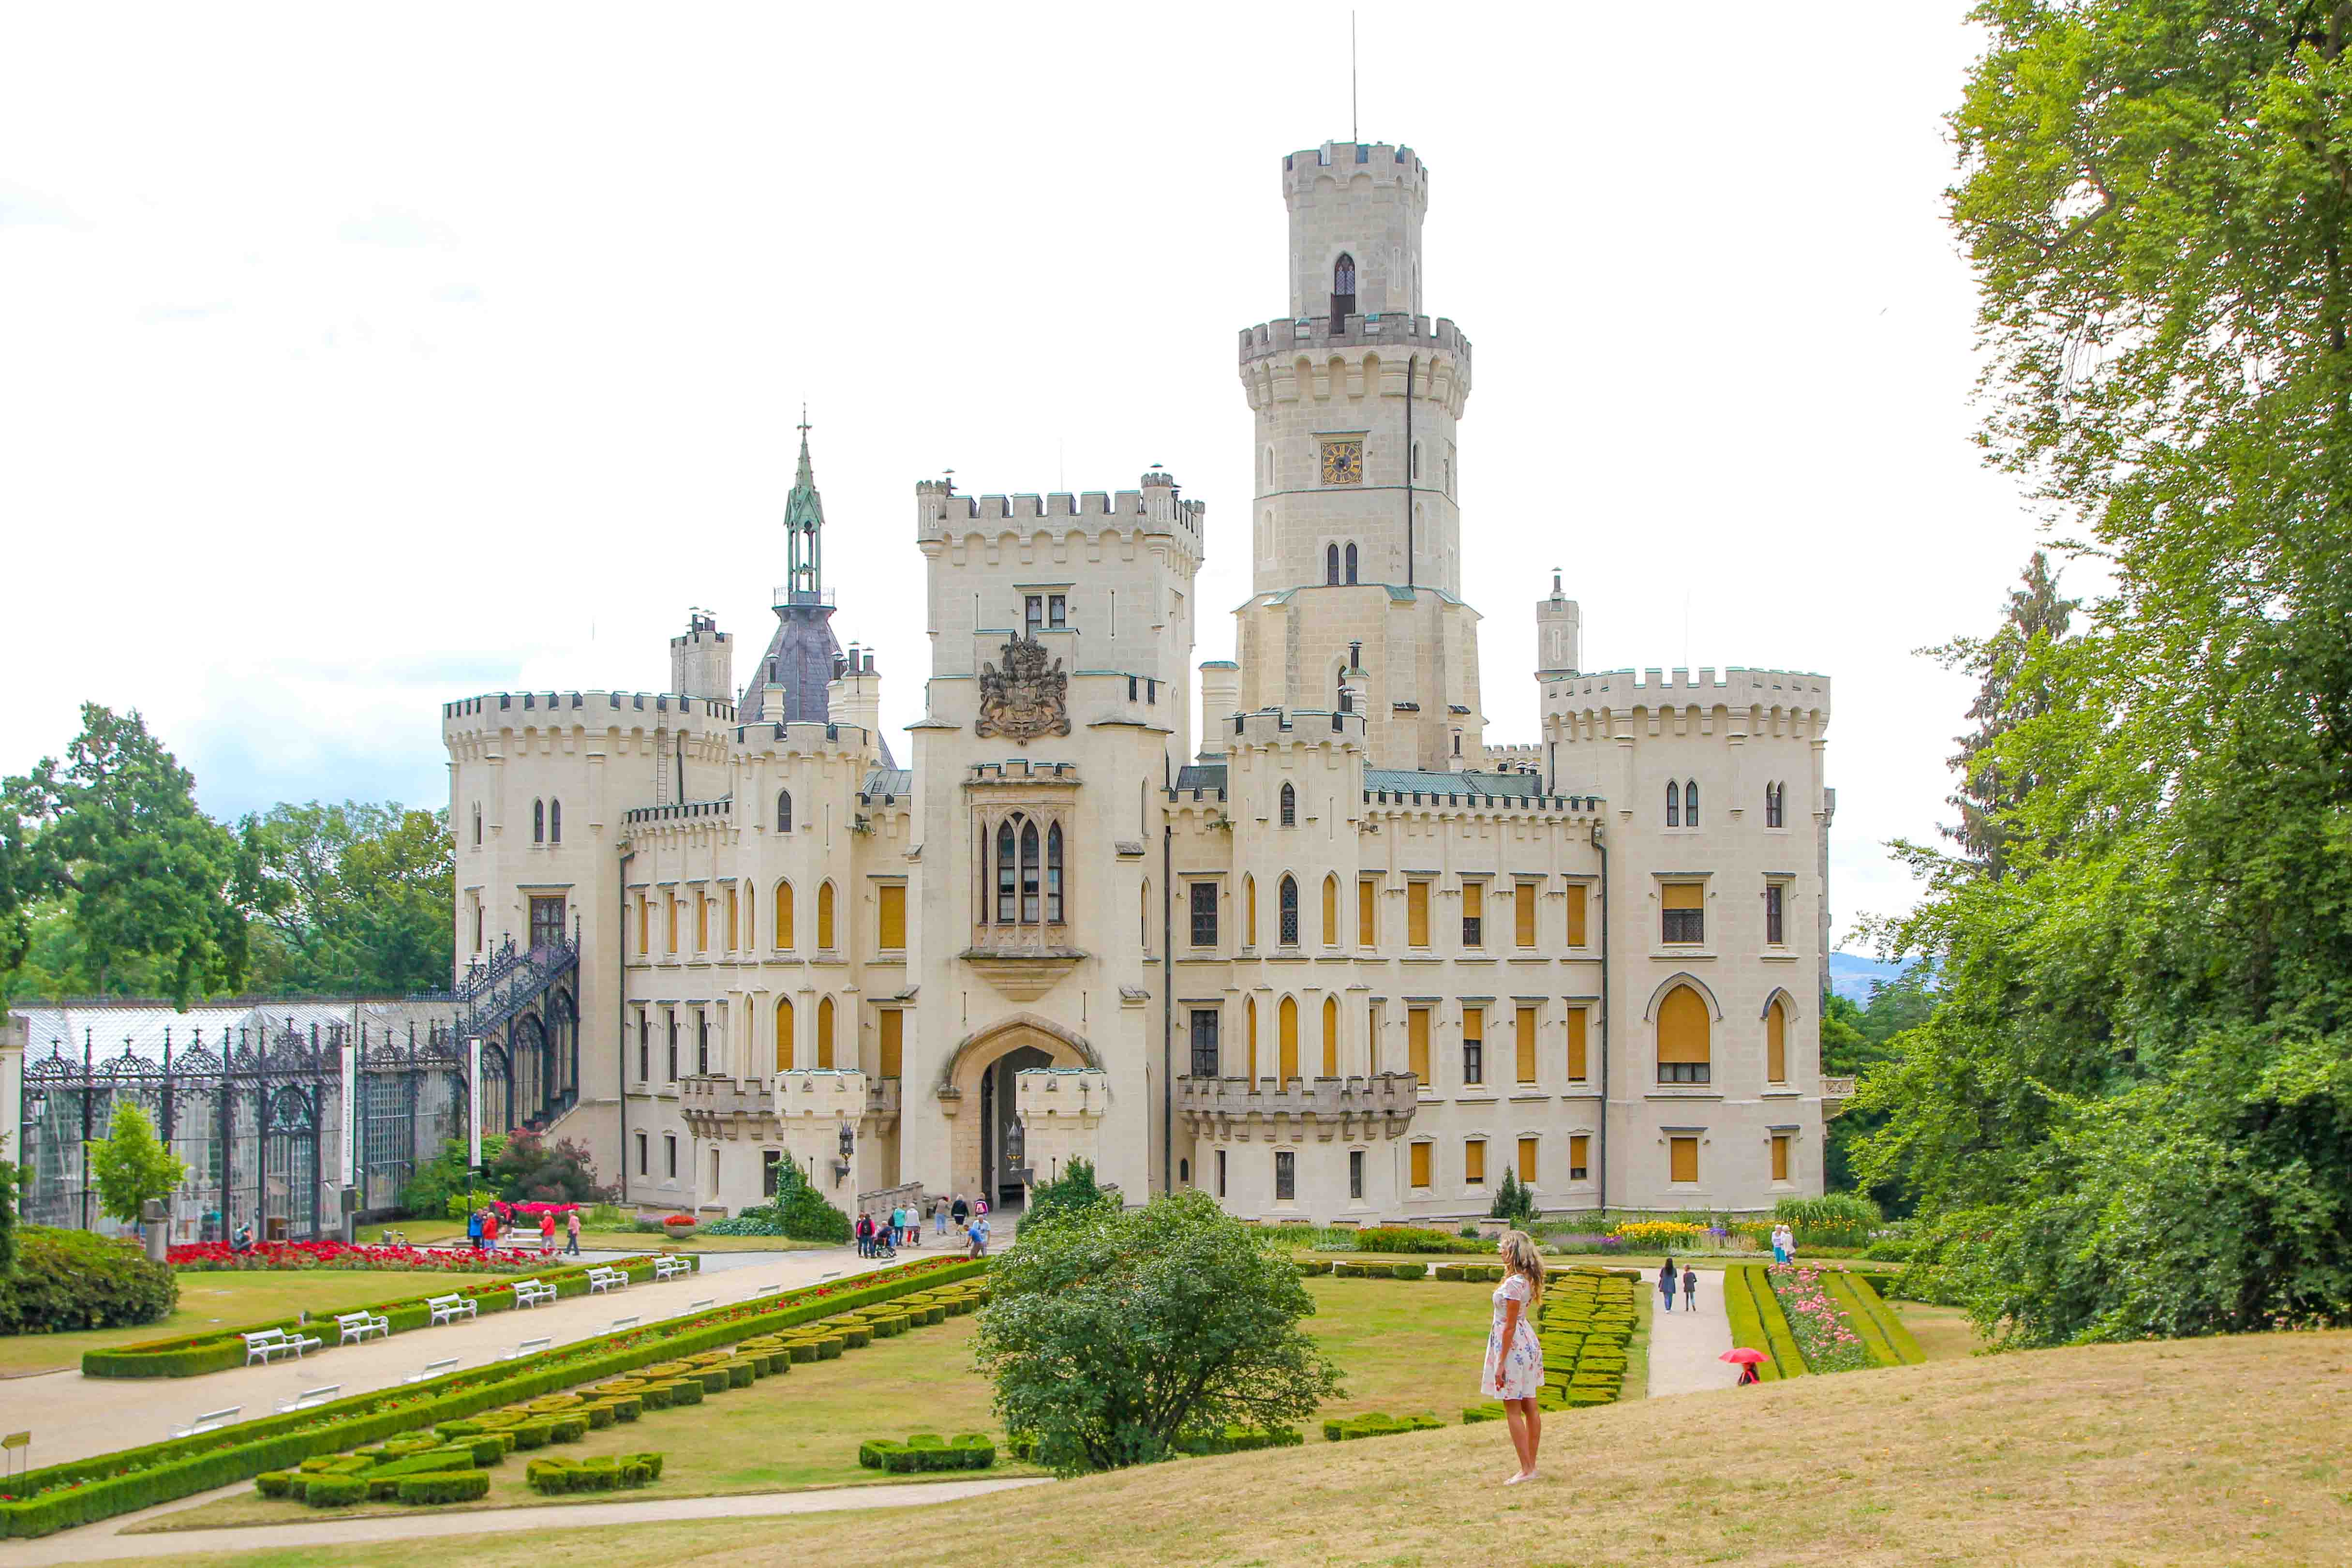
column 1343, row 462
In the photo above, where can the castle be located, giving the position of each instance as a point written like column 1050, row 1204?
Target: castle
column 1336, row 958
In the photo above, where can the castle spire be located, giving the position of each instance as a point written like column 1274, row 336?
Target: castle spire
column 804, row 531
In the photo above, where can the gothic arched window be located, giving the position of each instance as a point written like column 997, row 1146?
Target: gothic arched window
column 1673, row 804
column 1690, row 804
column 1343, row 291
column 478, row 828
column 1289, row 806
column 1028, row 873
column 1054, row 874
column 539, row 822
column 555, row 821
column 1007, row 873
column 783, row 811
column 1773, row 807
column 1289, row 895
column 1331, row 564
column 1352, row 563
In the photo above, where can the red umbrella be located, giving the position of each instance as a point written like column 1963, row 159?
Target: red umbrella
column 1742, row 1355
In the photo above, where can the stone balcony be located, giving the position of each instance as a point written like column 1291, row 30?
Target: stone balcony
column 1242, row 1110
column 718, row 1105
column 1836, row 1092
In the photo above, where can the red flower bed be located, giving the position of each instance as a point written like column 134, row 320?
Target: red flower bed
column 216, row 1254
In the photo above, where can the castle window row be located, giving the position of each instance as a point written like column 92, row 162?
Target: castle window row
column 785, row 1045
column 727, row 921
column 1337, row 1057
column 1020, row 872
column 547, row 822
column 1521, row 898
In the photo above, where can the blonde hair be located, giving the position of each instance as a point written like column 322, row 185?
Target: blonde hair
column 1519, row 1252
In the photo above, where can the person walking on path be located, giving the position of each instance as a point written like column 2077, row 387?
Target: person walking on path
column 1779, row 1243
column 962, row 1211
column 940, row 1216
column 1514, row 1372
column 547, row 1230
column 1690, row 1289
column 490, row 1229
column 572, row 1234
column 1666, row 1283
column 473, row 1229
column 864, row 1234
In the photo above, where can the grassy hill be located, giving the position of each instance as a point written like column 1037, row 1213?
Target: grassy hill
column 2216, row 1451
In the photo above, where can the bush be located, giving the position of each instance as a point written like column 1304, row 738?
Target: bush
column 1512, row 1202
column 1408, row 1270
column 1074, row 1192
column 337, row 1491
column 1415, row 1238
column 927, row 1451
column 67, row 1279
column 798, row 1211
column 1239, row 1440
column 444, row 1485
column 1892, row 1249
column 1834, row 1219
column 612, row 1472
column 1378, row 1424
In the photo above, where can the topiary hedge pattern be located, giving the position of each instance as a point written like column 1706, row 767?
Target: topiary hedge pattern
column 928, row 1451
column 614, row 1472
column 1377, row 1424
column 58, row 1496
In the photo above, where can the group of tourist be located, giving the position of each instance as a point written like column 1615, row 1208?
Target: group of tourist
column 483, row 1224
column 1689, row 1278
column 903, row 1226
column 1784, row 1244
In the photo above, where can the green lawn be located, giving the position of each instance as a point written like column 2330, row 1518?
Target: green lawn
column 1942, row 1331
column 223, row 1300
column 1403, row 1347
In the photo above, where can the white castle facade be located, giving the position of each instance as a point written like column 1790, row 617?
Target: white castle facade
column 1333, row 958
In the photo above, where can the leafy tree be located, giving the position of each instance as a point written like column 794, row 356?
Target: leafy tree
column 1513, row 1201
column 2008, row 694
column 798, row 1210
column 429, row 1189
column 1112, row 1335
column 1074, row 1190
column 12, row 1183
column 2129, row 1111
column 131, row 1164
column 361, row 898
column 115, row 834
column 529, row 1169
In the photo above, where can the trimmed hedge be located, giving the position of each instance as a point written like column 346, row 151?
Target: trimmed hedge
column 67, row 1280
column 337, row 1491
column 1408, row 1270
column 222, row 1349
column 58, row 1497
column 1378, row 1424
column 1889, row 1337
column 1771, row 1322
column 614, row 1472
column 1241, row 1440
column 928, row 1451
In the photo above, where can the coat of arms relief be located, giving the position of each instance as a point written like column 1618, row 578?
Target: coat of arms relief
column 1027, row 697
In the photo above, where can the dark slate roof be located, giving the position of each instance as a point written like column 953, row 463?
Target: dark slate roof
column 1201, row 777
column 888, row 781
column 1493, row 786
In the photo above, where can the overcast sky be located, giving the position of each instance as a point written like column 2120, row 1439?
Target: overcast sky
column 353, row 361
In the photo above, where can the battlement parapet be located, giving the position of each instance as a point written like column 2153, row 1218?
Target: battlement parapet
column 591, row 710
column 1737, row 688
column 1471, row 797
column 1273, row 339
column 1227, row 1108
column 1022, row 770
column 686, row 811
column 1297, row 727
column 1384, row 163
column 1155, row 508
column 805, row 737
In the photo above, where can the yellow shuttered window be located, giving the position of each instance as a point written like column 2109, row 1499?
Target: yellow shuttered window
column 1330, row 1037
column 894, row 1042
column 1523, row 914
column 1474, row 914
column 1682, row 1159
column 1684, row 907
column 1420, row 1164
column 783, row 921
column 1775, row 1043
column 1528, row 1161
column 1249, row 911
column 750, row 917
column 1249, row 1017
column 1368, row 914
column 1683, row 1038
column 1525, row 1045
column 734, row 912
column 644, row 925
column 1286, row 1024
column 1576, row 914
column 1416, row 1034
column 824, row 1032
column 1780, row 1156
column 1416, row 914
column 890, row 899
column 1330, row 912
column 1473, row 1162
column 673, row 924
column 701, row 924
column 783, row 1034
column 824, row 918
column 1474, row 1045
column 1576, row 1053
column 1580, row 1150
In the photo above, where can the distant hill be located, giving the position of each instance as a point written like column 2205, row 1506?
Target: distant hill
column 1851, row 975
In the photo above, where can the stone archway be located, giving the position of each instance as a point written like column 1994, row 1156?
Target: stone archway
column 973, row 1089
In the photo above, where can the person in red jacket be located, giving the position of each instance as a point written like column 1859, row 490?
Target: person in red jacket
column 490, row 1229
column 547, row 1230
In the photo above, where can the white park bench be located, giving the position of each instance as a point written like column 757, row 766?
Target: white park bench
column 449, row 1309
column 360, row 1325
column 702, row 1305
column 210, row 1420
column 607, row 1280
column 669, row 1268
column 760, row 1291
column 528, row 1347
column 531, row 1293
column 432, row 1370
column 309, row 1398
column 269, row 1343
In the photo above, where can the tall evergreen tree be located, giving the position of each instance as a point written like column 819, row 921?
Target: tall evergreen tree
column 2012, row 688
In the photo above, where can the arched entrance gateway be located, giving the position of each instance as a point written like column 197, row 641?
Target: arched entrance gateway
column 976, row 1089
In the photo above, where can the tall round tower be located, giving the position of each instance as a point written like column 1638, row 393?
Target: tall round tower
column 1356, row 533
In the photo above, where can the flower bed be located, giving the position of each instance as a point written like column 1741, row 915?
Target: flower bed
column 222, row 1349
column 205, row 1256
column 58, row 1497
column 1825, row 1337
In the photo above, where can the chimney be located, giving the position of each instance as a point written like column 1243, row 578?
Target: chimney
column 1220, row 698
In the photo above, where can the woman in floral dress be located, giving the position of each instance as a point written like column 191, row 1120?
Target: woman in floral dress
column 1515, row 1371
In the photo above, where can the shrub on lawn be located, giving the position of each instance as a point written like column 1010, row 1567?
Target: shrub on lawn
column 1378, row 1424
column 1239, row 1440
column 1408, row 1270
column 443, row 1485
column 612, row 1472
column 1414, row 1238
column 67, row 1279
column 927, row 1451
column 336, row 1491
